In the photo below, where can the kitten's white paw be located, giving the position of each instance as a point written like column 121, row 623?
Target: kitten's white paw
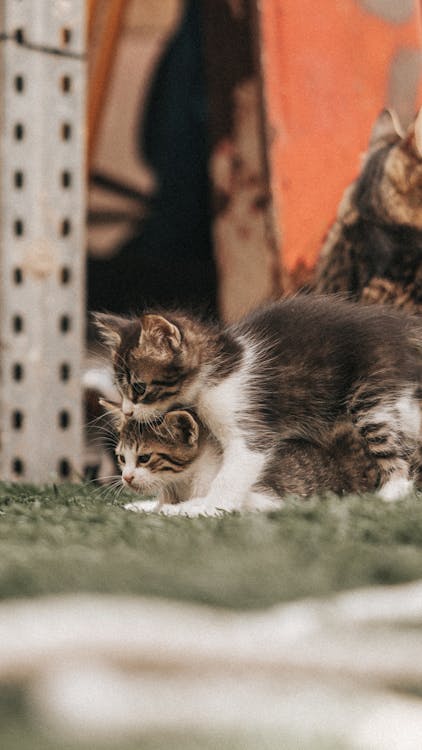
column 395, row 489
column 143, row 506
column 201, row 507
column 195, row 508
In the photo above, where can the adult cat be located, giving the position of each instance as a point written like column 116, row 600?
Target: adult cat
column 374, row 249
column 290, row 370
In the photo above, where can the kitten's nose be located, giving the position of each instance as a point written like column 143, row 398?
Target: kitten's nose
column 127, row 408
column 128, row 478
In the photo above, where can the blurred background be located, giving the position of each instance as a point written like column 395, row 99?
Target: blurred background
column 222, row 134
column 169, row 152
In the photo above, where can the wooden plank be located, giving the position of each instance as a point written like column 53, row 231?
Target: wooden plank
column 245, row 246
column 104, row 25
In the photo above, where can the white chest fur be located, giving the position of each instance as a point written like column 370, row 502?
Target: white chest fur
column 219, row 405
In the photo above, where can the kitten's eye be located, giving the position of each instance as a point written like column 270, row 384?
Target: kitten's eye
column 121, row 459
column 143, row 458
column 139, row 389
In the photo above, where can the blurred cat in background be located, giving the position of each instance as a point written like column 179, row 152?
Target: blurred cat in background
column 374, row 249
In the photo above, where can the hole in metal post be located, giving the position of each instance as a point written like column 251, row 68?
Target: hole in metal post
column 17, row 371
column 66, row 131
column 17, row 323
column 64, row 468
column 17, row 420
column 66, row 179
column 65, row 35
column 64, row 419
column 65, row 275
column 65, row 323
column 64, row 372
column 19, row 84
column 17, row 276
column 66, row 84
column 18, row 228
column 18, row 466
column 65, row 227
column 18, row 179
column 18, row 132
column 20, row 36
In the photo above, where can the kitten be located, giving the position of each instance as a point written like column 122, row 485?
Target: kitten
column 374, row 249
column 176, row 459
column 287, row 371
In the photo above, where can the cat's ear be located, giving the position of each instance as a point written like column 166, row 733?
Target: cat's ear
column 386, row 126
column 160, row 331
column 110, row 328
column 115, row 411
column 182, row 425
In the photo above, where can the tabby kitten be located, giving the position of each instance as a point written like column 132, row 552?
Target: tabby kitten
column 374, row 249
column 287, row 371
column 177, row 460
column 172, row 458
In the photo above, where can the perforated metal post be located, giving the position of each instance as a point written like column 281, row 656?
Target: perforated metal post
column 42, row 201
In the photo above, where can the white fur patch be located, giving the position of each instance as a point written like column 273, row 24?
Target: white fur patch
column 402, row 415
column 254, row 502
column 219, row 404
column 143, row 506
column 204, row 470
column 197, row 507
column 101, row 379
column 410, row 416
column 219, row 407
column 396, row 489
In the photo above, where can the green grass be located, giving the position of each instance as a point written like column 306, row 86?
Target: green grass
column 73, row 538
column 70, row 538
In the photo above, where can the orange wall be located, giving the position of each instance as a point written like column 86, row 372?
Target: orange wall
column 327, row 70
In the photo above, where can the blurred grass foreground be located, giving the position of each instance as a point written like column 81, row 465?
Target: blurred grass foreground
column 138, row 631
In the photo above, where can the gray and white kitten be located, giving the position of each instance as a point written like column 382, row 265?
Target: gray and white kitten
column 176, row 459
column 288, row 371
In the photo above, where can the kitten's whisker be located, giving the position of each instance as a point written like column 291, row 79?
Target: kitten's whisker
column 106, row 490
column 102, row 481
column 104, row 415
column 95, row 425
column 103, row 439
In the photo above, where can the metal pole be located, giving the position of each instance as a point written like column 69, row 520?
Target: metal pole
column 42, row 213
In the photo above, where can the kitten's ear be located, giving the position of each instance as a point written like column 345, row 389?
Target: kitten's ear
column 386, row 126
column 182, row 425
column 115, row 411
column 161, row 331
column 110, row 328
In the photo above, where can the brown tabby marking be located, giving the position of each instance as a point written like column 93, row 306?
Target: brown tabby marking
column 374, row 249
column 302, row 468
